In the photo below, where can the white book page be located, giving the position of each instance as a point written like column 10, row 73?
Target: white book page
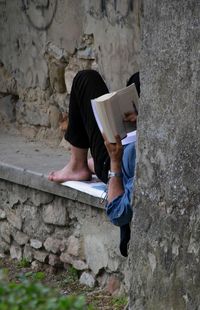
column 93, row 188
column 130, row 97
column 109, row 110
column 108, row 117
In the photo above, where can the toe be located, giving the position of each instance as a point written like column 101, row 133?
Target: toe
column 50, row 176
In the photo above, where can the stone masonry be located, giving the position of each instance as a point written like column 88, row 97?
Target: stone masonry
column 43, row 44
column 45, row 228
column 165, row 248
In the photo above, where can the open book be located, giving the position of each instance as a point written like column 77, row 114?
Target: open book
column 109, row 111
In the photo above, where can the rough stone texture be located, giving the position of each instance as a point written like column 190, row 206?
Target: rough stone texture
column 95, row 253
column 33, row 224
column 44, row 46
column 4, row 247
column 164, row 251
column 66, row 258
column 87, row 279
column 54, row 214
column 36, row 244
column 54, row 260
column 113, row 285
column 73, row 246
column 5, row 232
column 52, row 245
column 79, row 264
column 88, row 242
column 2, row 215
column 28, row 253
column 36, row 265
column 14, row 219
column 7, row 108
column 16, row 252
column 41, row 256
column 20, row 237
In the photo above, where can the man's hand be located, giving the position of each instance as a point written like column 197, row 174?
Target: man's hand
column 115, row 151
column 130, row 117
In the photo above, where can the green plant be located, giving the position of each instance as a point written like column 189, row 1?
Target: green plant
column 33, row 295
column 40, row 275
column 119, row 302
column 72, row 275
column 23, row 263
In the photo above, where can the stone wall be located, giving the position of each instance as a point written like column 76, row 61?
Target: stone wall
column 42, row 46
column 44, row 228
column 165, row 246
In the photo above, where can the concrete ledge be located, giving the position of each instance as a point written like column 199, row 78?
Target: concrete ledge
column 26, row 162
column 40, row 182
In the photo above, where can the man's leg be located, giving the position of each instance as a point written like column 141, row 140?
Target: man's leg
column 83, row 131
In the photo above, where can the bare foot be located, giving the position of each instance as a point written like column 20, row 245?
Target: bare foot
column 91, row 164
column 69, row 173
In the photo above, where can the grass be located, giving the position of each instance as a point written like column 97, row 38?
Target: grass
column 23, row 263
column 119, row 302
column 72, row 275
column 65, row 282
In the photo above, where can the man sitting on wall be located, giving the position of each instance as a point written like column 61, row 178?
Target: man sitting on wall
column 113, row 163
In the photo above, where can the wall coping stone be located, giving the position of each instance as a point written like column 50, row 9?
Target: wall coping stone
column 23, row 152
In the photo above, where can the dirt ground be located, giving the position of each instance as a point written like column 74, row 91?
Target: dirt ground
column 64, row 281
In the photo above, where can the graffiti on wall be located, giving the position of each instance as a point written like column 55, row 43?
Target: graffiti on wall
column 40, row 13
column 3, row 17
column 115, row 11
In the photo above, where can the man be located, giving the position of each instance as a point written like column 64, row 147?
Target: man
column 113, row 163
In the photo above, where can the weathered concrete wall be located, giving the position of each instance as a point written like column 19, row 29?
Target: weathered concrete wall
column 42, row 227
column 44, row 43
column 165, row 231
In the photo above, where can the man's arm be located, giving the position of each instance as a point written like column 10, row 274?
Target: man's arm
column 115, row 184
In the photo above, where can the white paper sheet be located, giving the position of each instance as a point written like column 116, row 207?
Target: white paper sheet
column 94, row 188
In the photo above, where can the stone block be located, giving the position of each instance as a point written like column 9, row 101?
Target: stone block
column 40, row 198
column 16, row 252
column 14, row 219
column 63, row 245
column 36, row 244
column 54, row 260
column 28, row 253
column 79, row 264
column 61, row 233
column 5, row 232
column 33, row 224
column 52, row 245
column 54, row 214
column 20, row 237
column 36, row 265
column 87, row 279
column 95, row 253
column 65, row 258
column 73, row 246
column 2, row 214
column 113, row 285
column 41, row 256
